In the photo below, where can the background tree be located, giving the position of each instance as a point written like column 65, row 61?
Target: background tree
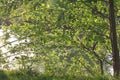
column 66, row 36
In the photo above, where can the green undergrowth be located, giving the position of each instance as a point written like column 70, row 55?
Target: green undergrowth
column 23, row 75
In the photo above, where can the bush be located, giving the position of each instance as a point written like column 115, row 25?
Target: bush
column 3, row 76
column 24, row 75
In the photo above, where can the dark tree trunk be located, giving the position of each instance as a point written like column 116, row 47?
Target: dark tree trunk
column 113, row 38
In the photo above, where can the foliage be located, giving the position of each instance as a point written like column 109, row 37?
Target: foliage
column 19, row 75
column 69, row 37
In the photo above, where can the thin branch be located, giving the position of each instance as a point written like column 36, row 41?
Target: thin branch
column 95, row 54
column 10, row 56
column 99, row 33
column 87, row 68
column 15, row 41
column 100, row 14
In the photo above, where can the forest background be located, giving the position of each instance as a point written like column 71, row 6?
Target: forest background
column 68, row 39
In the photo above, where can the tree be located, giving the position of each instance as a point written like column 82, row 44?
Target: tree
column 113, row 37
column 61, row 33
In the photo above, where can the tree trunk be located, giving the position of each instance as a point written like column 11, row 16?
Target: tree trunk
column 101, row 67
column 113, row 38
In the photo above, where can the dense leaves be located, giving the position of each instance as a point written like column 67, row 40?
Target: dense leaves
column 68, row 37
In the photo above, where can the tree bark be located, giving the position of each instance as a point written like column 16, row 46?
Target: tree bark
column 113, row 38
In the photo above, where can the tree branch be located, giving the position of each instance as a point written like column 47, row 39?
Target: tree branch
column 15, row 41
column 100, row 14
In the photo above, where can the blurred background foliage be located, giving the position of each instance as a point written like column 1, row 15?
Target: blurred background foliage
column 66, row 37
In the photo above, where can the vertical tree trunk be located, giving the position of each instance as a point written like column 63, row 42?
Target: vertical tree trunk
column 113, row 38
column 101, row 67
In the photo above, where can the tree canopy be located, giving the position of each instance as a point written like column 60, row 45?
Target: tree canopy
column 68, row 37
